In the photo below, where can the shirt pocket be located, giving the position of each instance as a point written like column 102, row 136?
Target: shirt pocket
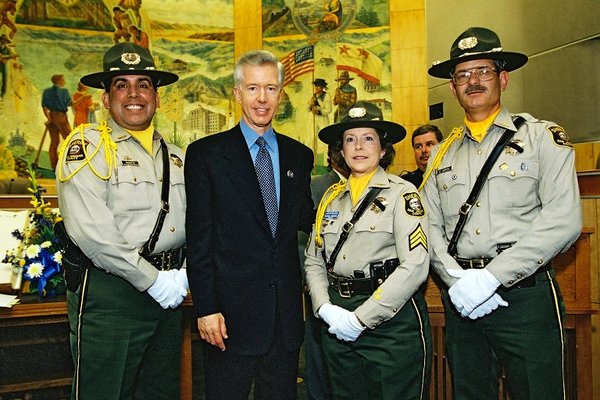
column 513, row 183
column 134, row 190
column 453, row 193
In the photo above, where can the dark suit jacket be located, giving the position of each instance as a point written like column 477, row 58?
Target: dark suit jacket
column 235, row 266
column 415, row 177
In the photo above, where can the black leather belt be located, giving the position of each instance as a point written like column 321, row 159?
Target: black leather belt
column 168, row 259
column 347, row 287
column 468, row 263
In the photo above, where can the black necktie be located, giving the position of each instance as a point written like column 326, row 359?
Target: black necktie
column 266, row 179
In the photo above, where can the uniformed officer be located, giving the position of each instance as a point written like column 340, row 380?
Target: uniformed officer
column 503, row 306
column 345, row 96
column 379, row 344
column 125, row 316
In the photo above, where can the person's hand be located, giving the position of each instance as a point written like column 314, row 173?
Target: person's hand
column 473, row 287
column 166, row 290
column 182, row 279
column 488, row 306
column 342, row 323
column 213, row 330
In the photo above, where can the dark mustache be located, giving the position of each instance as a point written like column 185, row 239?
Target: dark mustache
column 474, row 88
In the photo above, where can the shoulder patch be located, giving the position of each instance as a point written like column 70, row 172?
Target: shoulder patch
column 559, row 136
column 75, row 152
column 417, row 238
column 413, row 205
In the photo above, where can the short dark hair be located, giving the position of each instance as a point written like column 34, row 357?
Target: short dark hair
column 385, row 162
column 423, row 129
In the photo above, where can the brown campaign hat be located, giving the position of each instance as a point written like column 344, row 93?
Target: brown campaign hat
column 475, row 44
column 128, row 59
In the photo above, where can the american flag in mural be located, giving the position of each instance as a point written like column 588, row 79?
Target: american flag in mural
column 298, row 62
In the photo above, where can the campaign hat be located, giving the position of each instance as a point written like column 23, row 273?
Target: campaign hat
column 128, row 59
column 477, row 43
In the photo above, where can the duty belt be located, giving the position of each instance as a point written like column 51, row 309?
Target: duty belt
column 168, row 259
column 478, row 263
column 348, row 286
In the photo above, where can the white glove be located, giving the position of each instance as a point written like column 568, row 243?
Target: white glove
column 182, row 278
column 166, row 290
column 473, row 287
column 488, row 306
column 342, row 323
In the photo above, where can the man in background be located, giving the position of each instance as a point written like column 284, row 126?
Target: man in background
column 345, row 95
column 55, row 103
column 423, row 140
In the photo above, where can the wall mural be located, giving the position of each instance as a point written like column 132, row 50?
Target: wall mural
column 335, row 52
column 42, row 38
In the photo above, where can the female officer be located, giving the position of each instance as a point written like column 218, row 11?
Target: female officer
column 364, row 264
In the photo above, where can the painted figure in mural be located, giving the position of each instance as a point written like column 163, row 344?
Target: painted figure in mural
column 124, row 308
column 345, row 95
column 9, row 8
column 82, row 105
column 248, row 193
column 6, row 54
column 424, row 138
column 139, row 37
column 320, row 104
column 333, row 18
column 503, row 307
column 376, row 332
column 122, row 23
column 55, row 102
column 135, row 6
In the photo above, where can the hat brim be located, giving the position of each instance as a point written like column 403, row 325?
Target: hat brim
column 96, row 79
column 389, row 131
column 513, row 61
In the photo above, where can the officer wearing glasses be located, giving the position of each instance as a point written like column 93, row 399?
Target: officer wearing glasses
column 503, row 306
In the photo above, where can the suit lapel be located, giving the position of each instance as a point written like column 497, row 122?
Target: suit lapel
column 243, row 175
column 287, row 179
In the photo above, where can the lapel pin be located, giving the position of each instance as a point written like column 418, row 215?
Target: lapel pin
column 290, row 174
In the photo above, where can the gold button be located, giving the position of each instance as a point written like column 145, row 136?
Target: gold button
column 540, row 262
column 513, row 173
column 510, row 282
column 519, row 276
column 172, row 229
column 394, row 310
column 160, row 179
column 478, row 231
column 445, row 187
column 479, row 152
column 478, row 204
column 372, row 227
column 135, row 179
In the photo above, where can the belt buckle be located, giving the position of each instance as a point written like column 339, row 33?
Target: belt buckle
column 344, row 287
column 477, row 263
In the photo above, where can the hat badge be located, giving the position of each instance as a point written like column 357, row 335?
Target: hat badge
column 130, row 58
column 467, row 43
column 357, row 112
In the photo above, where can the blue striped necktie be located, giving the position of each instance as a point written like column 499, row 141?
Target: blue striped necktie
column 266, row 179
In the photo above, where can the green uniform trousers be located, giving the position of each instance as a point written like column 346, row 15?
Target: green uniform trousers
column 526, row 339
column 124, row 345
column 390, row 362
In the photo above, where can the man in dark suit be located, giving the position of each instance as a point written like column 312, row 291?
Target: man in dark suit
column 244, row 269
column 424, row 138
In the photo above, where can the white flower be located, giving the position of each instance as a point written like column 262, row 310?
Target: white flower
column 58, row 257
column 35, row 270
column 32, row 251
column 46, row 244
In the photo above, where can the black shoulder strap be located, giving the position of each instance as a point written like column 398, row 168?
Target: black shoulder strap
column 481, row 179
column 349, row 225
column 148, row 247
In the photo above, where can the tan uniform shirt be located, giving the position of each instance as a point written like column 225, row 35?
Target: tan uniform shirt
column 111, row 219
column 398, row 231
column 530, row 200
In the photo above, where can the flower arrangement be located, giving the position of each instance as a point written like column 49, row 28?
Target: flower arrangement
column 38, row 256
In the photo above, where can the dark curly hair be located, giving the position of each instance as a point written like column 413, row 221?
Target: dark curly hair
column 384, row 163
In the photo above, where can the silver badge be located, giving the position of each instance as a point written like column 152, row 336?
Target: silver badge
column 130, row 58
column 467, row 43
column 290, row 174
column 357, row 112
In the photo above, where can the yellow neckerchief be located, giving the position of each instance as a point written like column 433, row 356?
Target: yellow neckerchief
column 106, row 142
column 479, row 128
column 145, row 137
column 358, row 185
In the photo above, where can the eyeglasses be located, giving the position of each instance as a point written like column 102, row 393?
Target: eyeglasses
column 482, row 73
